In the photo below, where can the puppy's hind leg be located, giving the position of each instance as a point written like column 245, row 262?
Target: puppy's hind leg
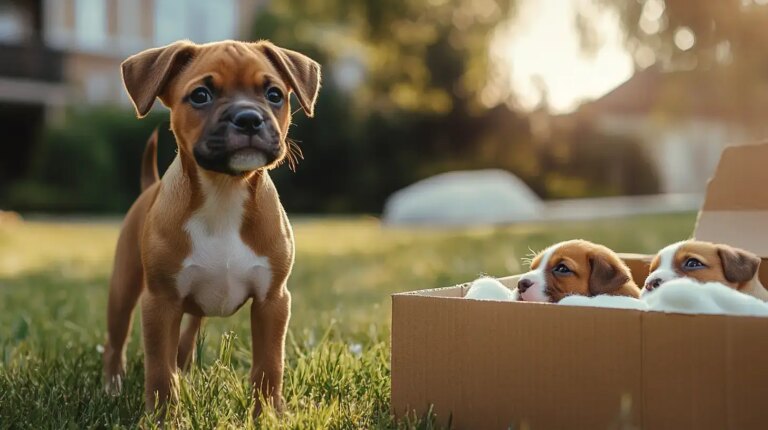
column 124, row 291
column 125, row 287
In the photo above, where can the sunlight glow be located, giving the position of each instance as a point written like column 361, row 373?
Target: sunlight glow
column 545, row 63
column 684, row 38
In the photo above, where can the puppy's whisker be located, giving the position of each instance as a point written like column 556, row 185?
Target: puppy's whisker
column 295, row 149
column 293, row 154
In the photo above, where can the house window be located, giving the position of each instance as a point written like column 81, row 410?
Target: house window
column 170, row 21
column 212, row 21
column 200, row 21
column 55, row 30
column 91, row 23
column 15, row 25
column 129, row 24
column 99, row 87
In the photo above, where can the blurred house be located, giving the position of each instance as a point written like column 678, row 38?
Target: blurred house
column 60, row 53
column 683, row 119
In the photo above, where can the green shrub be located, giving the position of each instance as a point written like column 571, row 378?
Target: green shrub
column 585, row 162
column 89, row 163
column 92, row 161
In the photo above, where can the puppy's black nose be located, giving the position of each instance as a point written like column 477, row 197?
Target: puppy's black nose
column 524, row 284
column 248, row 121
column 652, row 284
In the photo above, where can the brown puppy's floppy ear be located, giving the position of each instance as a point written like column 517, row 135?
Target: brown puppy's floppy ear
column 739, row 266
column 146, row 74
column 301, row 72
column 605, row 278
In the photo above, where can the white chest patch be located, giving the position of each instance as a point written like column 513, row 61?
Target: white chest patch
column 221, row 271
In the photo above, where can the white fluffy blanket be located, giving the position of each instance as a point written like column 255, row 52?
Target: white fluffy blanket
column 486, row 288
column 682, row 296
column 679, row 295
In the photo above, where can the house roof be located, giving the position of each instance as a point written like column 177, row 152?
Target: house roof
column 698, row 93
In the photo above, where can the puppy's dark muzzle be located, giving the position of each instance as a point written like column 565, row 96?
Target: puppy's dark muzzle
column 239, row 127
column 247, row 121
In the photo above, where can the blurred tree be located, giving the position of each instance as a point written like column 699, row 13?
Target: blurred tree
column 90, row 163
column 720, row 41
column 400, row 98
column 413, row 55
column 584, row 162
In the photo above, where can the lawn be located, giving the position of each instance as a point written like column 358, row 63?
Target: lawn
column 53, row 288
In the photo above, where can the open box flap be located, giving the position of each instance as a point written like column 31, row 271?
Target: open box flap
column 735, row 209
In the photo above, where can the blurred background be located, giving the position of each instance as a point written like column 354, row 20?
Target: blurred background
column 607, row 115
column 518, row 106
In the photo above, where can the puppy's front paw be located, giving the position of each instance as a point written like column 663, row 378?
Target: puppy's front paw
column 114, row 370
column 113, row 385
column 276, row 402
column 279, row 405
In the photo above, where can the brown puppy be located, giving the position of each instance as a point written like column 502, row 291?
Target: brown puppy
column 212, row 233
column 575, row 267
column 707, row 262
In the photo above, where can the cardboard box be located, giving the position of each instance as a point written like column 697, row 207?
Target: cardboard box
column 498, row 365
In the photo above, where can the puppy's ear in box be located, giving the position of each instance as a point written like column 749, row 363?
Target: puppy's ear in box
column 300, row 72
column 146, row 74
column 608, row 277
column 739, row 266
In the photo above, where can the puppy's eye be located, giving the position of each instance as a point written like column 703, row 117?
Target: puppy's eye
column 693, row 263
column 274, row 95
column 200, row 97
column 561, row 269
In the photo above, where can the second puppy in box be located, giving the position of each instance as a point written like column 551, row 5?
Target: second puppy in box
column 707, row 262
column 575, row 267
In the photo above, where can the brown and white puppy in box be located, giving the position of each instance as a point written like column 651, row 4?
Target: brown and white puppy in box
column 211, row 234
column 575, row 267
column 707, row 262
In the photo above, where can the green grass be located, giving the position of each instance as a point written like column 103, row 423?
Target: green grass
column 53, row 287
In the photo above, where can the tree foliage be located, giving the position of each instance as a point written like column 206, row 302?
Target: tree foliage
column 400, row 101
column 728, row 48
